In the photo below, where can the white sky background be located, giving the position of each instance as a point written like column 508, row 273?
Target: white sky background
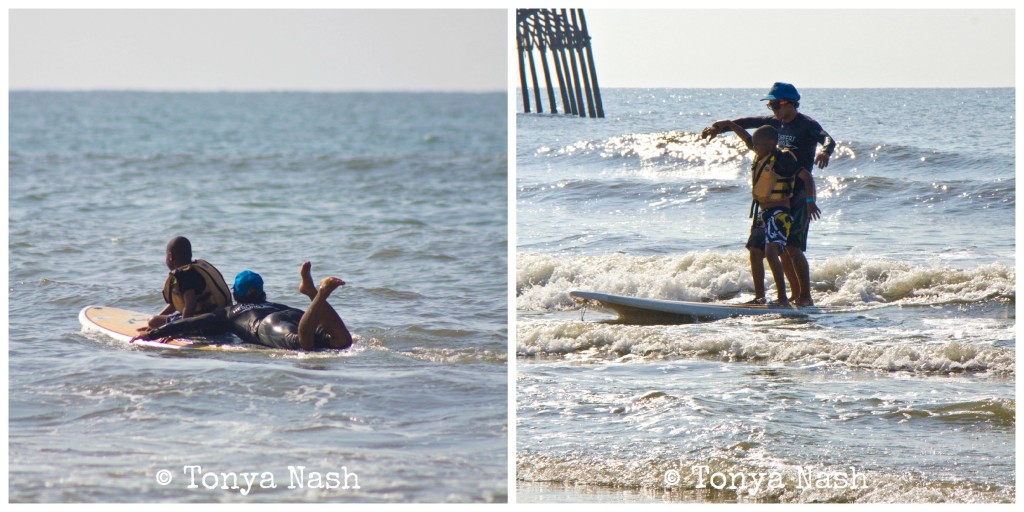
column 201, row 50
column 809, row 48
column 340, row 50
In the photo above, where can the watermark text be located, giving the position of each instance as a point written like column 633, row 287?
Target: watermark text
column 297, row 477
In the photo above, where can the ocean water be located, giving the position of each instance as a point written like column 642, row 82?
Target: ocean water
column 906, row 395
column 404, row 196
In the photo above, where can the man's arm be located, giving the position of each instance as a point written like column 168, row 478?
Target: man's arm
column 202, row 325
column 828, row 145
column 190, row 304
column 190, row 283
column 812, row 206
column 756, row 122
column 739, row 131
column 743, row 122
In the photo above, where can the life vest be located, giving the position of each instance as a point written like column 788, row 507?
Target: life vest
column 769, row 187
column 214, row 295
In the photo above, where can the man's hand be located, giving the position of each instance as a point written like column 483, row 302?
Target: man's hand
column 146, row 336
column 821, row 160
column 143, row 334
column 711, row 131
column 813, row 211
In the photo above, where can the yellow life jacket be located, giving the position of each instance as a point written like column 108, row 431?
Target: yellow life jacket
column 769, row 187
column 214, row 295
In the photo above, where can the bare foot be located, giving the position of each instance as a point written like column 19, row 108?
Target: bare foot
column 306, row 286
column 803, row 303
column 329, row 284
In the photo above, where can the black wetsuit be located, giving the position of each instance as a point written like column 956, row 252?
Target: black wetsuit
column 801, row 136
column 269, row 324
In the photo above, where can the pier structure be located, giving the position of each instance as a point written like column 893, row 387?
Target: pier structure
column 560, row 34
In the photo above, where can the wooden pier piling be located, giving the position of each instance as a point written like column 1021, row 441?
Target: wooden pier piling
column 564, row 33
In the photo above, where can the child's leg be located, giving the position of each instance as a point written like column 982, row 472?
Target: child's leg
column 162, row 320
column 772, row 254
column 157, row 321
column 755, row 244
column 777, row 223
column 789, row 268
column 757, row 271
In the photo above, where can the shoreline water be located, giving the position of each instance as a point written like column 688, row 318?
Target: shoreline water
column 916, row 242
column 380, row 190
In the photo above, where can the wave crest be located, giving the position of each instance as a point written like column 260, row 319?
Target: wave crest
column 543, row 281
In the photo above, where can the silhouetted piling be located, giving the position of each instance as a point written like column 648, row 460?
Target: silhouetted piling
column 522, row 70
column 547, row 78
column 564, row 32
column 590, row 60
column 555, row 46
column 533, row 73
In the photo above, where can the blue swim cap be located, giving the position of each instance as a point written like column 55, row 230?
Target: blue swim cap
column 782, row 91
column 246, row 281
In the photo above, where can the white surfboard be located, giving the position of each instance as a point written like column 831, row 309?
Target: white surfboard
column 123, row 325
column 633, row 309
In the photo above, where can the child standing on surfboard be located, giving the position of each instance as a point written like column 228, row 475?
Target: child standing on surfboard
column 193, row 287
column 773, row 174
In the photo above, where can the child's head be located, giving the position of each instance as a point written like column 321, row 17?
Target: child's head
column 764, row 140
column 179, row 252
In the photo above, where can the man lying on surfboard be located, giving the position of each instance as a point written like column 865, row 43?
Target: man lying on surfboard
column 257, row 321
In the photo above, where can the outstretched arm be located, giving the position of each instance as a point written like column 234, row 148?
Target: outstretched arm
column 744, row 122
column 711, row 131
column 738, row 130
column 202, row 325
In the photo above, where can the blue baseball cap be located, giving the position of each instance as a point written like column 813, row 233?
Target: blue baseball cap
column 247, row 281
column 782, row 91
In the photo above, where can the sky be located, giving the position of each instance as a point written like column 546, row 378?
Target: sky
column 465, row 50
column 809, row 48
column 308, row 50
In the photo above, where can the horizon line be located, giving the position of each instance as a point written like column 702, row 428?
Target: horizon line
column 256, row 91
column 519, row 89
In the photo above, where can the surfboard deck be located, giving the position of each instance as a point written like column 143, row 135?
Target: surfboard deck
column 123, row 325
column 657, row 311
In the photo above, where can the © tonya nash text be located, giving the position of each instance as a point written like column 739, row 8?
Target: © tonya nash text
column 298, row 478
column 754, row 483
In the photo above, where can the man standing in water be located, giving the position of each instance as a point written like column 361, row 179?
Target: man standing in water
column 257, row 321
column 801, row 135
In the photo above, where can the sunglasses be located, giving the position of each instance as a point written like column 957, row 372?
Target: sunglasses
column 775, row 105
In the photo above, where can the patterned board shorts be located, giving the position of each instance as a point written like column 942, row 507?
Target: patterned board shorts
column 771, row 226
